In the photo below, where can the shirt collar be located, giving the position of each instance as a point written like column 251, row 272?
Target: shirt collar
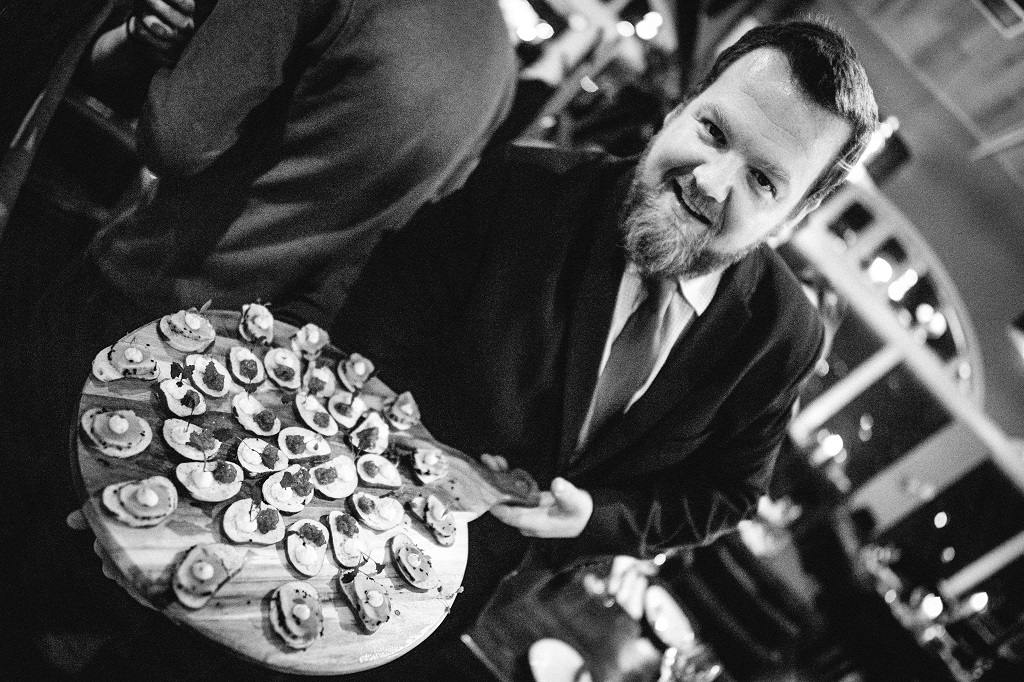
column 696, row 291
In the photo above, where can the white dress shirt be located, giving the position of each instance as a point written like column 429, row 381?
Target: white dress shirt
column 695, row 295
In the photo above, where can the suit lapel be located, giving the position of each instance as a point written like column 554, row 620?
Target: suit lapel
column 694, row 360
column 590, row 322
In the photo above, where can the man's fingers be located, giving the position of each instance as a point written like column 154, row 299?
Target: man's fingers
column 494, row 462
column 186, row 7
column 106, row 562
column 76, row 520
column 529, row 520
column 156, row 32
column 174, row 17
column 507, row 514
column 569, row 497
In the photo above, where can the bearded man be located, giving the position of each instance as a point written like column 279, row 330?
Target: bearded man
column 619, row 328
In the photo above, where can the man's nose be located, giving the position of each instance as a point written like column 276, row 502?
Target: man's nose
column 718, row 173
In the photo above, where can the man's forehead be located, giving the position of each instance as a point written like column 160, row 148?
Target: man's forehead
column 759, row 98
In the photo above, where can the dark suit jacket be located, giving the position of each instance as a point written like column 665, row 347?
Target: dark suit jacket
column 493, row 307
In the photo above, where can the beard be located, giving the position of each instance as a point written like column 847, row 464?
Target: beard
column 659, row 245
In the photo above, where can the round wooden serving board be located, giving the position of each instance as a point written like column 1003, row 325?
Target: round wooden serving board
column 238, row 615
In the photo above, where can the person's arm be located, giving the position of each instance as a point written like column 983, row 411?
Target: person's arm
column 417, row 280
column 124, row 58
column 194, row 110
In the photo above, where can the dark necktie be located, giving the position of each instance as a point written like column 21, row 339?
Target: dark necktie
column 634, row 352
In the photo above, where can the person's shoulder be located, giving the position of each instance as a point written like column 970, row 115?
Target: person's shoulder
column 556, row 168
column 779, row 296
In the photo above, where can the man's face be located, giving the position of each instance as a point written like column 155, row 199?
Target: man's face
column 728, row 169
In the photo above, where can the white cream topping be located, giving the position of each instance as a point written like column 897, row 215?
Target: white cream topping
column 431, row 458
column 180, row 433
column 301, row 611
column 133, row 354
column 118, row 424
column 176, row 388
column 248, row 405
column 305, row 554
column 193, row 321
column 147, row 497
column 202, row 570
column 413, row 559
column 202, row 478
column 312, row 334
column 359, row 367
column 281, row 493
column 246, row 522
column 389, row 511
column 374, row 598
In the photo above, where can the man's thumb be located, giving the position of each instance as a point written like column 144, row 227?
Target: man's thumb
column 76, row 520
column 566, row 494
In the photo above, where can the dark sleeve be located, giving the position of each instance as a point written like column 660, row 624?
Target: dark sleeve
column 719, row 483
column 234, row 61
column 417, row 280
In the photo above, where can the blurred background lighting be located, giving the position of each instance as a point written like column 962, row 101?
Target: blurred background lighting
column 646, row 29
column 948, row 555
column 625, row 29
column 578, row 22
column 527, row 33
column 878, row 139
column 653, row 18
column 832, row 445
column 880, row 270
column 924, row 313
column 931, row 606
column 588, row 84
column 544, row 30
column 902, row 284
column 941, row 519
column 978, row 601
column 937, row 325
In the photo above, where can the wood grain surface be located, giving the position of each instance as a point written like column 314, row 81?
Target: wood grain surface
column 238, row 615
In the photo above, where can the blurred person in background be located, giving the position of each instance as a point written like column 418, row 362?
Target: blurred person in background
column 285, row 137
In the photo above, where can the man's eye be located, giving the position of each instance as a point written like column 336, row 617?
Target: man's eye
column 714, row 131
column 763, row 181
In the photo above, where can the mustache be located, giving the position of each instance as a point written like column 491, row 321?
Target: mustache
column 657, row 246
column 700, row 202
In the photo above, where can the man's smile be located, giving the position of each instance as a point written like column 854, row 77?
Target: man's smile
column 683, row 199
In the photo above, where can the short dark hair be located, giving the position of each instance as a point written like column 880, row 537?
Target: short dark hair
column 825, row 66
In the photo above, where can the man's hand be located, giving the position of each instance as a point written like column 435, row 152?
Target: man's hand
column 563, row 511
column 163, row 27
